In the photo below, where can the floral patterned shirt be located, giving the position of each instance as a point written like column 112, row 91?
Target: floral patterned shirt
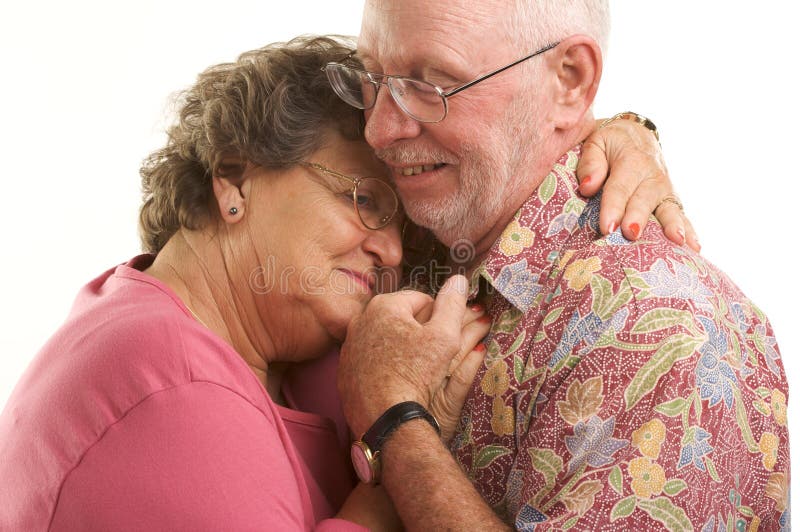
column 627, row 385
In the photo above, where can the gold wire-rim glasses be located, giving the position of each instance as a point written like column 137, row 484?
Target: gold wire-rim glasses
column 383, row 219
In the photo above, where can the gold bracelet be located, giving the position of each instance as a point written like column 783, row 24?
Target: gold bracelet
column 639, row 119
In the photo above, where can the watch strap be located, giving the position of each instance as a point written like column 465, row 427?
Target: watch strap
column 390, row 420
column 636, row 117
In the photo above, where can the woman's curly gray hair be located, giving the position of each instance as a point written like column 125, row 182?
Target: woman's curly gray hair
column 271, row 107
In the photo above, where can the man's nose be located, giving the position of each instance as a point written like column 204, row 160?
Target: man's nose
column 387, row 122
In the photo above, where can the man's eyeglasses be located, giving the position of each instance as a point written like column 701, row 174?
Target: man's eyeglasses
column 374, row 201
column 421, row 100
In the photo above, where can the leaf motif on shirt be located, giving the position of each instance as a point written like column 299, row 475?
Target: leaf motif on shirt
column 517, row 342
column 583, row 400
column 605, row 302
column 674, row 486
column 552, row 316
column 663, row 318
column 489, row 454
column 778, row 490
column 675, row 348
column 547, row 188
column 615, row 479
column 507, row 321
column 623, row 508
column 743, row 420
column 673, row 408
column 664, row 511
column 548, row 463
column 582, row 497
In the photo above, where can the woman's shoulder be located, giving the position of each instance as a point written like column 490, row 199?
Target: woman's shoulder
column 127, row 339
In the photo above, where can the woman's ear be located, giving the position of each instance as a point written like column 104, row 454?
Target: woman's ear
column 578, row 69
column 227, row 183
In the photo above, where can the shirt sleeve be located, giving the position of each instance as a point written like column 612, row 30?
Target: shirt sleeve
column 193, row 457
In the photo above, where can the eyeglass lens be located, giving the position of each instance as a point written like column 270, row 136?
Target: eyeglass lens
column 375, row 202
column 419, row 99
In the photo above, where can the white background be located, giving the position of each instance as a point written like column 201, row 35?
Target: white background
column 83, row 99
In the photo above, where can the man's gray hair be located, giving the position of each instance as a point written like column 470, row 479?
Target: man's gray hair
column 536, row 23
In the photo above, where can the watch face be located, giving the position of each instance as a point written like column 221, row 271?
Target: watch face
column 361, row 463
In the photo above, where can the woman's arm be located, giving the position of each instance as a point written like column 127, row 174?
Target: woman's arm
column 193, row 457
column 624, row 159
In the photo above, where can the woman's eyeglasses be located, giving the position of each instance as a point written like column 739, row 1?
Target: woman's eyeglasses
column 374, row 201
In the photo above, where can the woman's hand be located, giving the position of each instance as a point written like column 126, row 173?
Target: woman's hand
column 449, row 398
column 629, row 155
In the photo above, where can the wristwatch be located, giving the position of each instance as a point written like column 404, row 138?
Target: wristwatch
column 365, row 452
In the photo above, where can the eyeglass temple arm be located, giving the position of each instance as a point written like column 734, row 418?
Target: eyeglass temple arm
column 501, row 69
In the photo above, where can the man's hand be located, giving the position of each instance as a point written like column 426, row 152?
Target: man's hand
column 629, row 155
column 389, row 356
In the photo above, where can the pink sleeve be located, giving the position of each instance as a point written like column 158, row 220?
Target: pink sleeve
column 194, row 457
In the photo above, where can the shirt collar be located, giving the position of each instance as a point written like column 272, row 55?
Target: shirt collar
column 519, row 261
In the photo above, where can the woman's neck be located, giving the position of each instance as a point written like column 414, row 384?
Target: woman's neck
column 194, row 266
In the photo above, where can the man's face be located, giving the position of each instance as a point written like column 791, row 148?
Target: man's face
column 456, row 176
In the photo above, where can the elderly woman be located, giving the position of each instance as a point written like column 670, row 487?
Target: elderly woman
column 188, row 388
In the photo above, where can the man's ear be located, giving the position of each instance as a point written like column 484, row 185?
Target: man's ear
column 228, row 181
column 578, row 67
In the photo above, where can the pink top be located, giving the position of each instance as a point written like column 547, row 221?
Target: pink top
column 135, row 417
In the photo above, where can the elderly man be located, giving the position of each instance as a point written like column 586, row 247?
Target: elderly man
column 624, row 385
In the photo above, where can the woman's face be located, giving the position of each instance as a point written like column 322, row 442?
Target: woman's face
column 318, row 265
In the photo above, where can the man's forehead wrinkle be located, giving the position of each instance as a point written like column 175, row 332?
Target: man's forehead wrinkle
column 437, row 42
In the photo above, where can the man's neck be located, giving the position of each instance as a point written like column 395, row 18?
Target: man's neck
column 548, row 154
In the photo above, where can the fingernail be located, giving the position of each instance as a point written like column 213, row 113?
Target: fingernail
column 481, row 347
column 477, row 307
column 634, row 228
column 612, row 227
column 484, row 319
column 457, row 283
column 682, row 235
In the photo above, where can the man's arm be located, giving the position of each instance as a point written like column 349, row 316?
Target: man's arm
column 428, row 488
column 389, row 357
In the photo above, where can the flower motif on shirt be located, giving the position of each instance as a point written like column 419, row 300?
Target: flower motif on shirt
column 779, row 407
column 515, row 238
column 495, row 381
column 579, row 273
column 593, row 443
column 561, row 222
column 617, row 238
column 591, row 213
column 563, row 261
column 694, row 447
column 647, row 478
column 683, row 284
column 768, row 445
column 768, row 346
column 579, row 329
column 714, row 377
column 741, row 319
column 518, row 285
column 502, row 418
column 649, row 437
column 527, row 517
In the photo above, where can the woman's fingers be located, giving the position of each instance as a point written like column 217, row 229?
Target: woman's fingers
column 449, row 399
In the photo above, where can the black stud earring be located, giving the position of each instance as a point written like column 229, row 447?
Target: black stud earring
column 233, row 211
